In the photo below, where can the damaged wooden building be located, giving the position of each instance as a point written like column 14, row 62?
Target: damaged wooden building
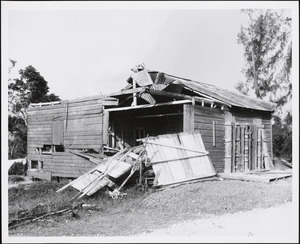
column 236, row 130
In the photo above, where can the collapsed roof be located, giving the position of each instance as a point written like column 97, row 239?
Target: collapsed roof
column 152, row 84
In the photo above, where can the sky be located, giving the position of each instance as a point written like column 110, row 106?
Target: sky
column 88, row 52
column 87, row 49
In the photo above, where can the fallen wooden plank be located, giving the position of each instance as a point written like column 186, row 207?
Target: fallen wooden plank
column 178, row 147
column 209, row 178
column 244, row 177
column 177, row 159
column 272, row 172
column 252, row 177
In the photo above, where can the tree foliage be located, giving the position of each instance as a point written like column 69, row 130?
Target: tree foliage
column 282, row 133
column 30, row 87
column 268, row 54
column 17, row 141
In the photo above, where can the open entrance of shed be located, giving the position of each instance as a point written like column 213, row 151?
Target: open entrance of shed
column 127, row 126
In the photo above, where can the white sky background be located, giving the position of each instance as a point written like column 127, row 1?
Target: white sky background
column 82, row 53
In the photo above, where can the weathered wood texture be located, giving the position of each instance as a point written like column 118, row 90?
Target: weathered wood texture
column 125, row 125
column 188, row 118
column 209, row 121
column 257, row 118
column 75, row 124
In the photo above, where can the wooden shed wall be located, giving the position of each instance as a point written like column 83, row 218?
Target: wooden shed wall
column 81, row 125
column 255, row 117
column 204, row 120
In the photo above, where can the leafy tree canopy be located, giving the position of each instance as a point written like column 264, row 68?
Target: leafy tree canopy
column 30, row 87
column 268, row 54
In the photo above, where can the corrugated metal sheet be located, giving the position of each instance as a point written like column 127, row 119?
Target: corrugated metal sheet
column 147, row 97
column 172, row 164
column 142, row 78
column 232, row 98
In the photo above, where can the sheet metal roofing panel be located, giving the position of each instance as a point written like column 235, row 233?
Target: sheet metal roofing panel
column 142, row 78
column 173, row 165
column 232, row 98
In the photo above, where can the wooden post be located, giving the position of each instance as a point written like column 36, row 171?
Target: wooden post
column 188, row 118
column 134, row 94
column 250, row 145
column 242, row 159
column 214, row 133
column 271, row 131
column 233, row 147
column 255, row 130
column 246, row 158
column 259, row 149
column 238, row 148
column 228, row 143
column 105, row 124
column 228, row 148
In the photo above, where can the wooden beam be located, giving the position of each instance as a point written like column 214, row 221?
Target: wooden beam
column 178, row 147
column 129, row 91
column 168, row 94
column 178, row 96
column 228, row 143
column 110, row 102
column 214, row 133
column 44, row 104
column 105, row 124
column 208, row 97
column 149, row 106
column 178, row 159
column 157, row 115
column 188, row 118
column 134, row 103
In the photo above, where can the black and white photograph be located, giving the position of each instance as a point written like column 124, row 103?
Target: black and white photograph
column 144, row 121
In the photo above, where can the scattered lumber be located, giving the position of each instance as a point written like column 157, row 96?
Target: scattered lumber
column 107, row 172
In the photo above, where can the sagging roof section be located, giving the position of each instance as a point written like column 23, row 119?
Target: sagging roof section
column 156, row 83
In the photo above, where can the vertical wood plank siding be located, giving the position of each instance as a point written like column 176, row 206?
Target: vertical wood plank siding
column 203, row 122
column 251, row 117
column 76, row 124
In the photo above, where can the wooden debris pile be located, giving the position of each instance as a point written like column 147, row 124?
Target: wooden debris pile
column 164, row 160
column 108, row 172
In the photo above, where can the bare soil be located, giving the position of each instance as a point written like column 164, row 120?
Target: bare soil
column 273, row 221
column 140, row 212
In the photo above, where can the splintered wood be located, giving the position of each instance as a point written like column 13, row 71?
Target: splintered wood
column 108, row 171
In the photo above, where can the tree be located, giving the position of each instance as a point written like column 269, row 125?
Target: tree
column 17, row 141
column 282, row 141
column 268, row 55
column 30, row 87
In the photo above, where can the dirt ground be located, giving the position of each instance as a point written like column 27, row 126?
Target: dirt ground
column 274, row 221
column 217, row 208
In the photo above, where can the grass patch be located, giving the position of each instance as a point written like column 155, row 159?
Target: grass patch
column 13, row 179
column 140, row 212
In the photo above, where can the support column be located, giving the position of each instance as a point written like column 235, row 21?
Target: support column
column 105, row 125
column 188, row 118
column 228, row 141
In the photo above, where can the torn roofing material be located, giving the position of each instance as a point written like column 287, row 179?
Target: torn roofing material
column 163, row 81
